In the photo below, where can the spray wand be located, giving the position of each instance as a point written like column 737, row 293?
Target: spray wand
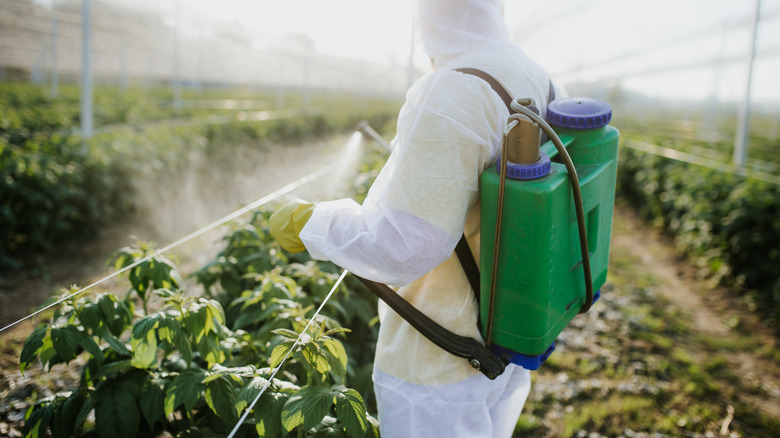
column 365, row 128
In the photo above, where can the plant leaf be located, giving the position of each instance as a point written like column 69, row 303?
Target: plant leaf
column 89, row 404
column 211, row 350
column 216, row 311
column 308, row 407
column 90, row 317
column 143, row 326
column 110, row 370
column 116, row 345
column 351, row 411
column 315, row 358
column 65, row 341
column 221, row 398
column 279, row 352
column 38, row 418
column 185, row 390
column 116, row 415
column 337, row 357
column 249, row 392
column 287, row 333
column 268, row 414
column 194, row 324
column 152, row 400
column 86, row 342
column 144, row 350
column 32, row 345
column 175, row 336
column 64, row 423
column 47, row 353
column 122, row 315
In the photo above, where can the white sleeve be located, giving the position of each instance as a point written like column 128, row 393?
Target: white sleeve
column 448, row 132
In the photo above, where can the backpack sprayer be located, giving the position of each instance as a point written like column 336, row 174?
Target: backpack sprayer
column 545, row 232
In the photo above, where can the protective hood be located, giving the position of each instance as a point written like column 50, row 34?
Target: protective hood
column 449, row 28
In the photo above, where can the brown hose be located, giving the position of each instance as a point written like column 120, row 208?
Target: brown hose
column 576, row 194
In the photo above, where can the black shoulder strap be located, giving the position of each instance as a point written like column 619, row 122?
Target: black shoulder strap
column 494, row 84
column 469, row 264
column 462, row 249
column 479, row 356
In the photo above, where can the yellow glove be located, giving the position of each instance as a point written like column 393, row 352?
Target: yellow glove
column 287, row 222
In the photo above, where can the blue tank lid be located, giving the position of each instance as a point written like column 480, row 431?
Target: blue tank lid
column 526, row 171
column 579, row 113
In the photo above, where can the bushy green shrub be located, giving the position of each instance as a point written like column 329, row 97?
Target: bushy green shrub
column 51, row 188
column 728, row 224
column 55, row 186
column 160, row 360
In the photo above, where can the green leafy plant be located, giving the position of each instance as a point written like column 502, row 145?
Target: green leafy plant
column 56, row 186
column 154, row 273
column 726, row 223
column 162, row 360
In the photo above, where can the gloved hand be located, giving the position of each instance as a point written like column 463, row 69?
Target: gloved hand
column 287, row 222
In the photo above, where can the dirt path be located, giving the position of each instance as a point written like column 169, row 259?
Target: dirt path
column 662, row 354
column 714, row 311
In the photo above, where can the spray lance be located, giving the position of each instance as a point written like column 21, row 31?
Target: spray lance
column 545, row 232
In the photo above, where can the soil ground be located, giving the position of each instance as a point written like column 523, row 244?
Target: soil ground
column 663, row 353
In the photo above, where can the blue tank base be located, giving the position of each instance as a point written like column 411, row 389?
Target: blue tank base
column 529, row 362
column 523, row 360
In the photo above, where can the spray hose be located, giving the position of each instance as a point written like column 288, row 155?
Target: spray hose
column 514, row 120
column 576, row 194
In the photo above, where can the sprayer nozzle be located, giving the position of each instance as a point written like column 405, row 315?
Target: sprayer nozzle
column 366, row 129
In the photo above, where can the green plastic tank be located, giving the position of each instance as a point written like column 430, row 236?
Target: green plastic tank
column 540, row 284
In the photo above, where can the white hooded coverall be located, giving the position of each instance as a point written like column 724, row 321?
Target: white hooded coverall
column 449, row 131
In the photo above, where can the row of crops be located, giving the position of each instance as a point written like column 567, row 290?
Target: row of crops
column 194, row 363
column 54, row 185
column 162, row 360
column 727, row 224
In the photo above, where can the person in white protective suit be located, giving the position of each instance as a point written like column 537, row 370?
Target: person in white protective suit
column 426, row 196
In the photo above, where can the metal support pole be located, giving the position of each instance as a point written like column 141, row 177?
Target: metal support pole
column 307, row 77
column 55, row 82
column 280, row 84
column 177, row 60
column 713, row 105
column 123, row 76
column 87, row 123
column 743, row 128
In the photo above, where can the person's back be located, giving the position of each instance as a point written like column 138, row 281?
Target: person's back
column 424, row 199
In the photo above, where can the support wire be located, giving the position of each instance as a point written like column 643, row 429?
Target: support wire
column 289, row 352
column 264, row 200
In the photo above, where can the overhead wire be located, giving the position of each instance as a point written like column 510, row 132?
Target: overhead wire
column 289, row 352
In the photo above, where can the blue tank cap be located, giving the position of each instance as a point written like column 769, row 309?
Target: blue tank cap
column 526, row 171
column 579, row 113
